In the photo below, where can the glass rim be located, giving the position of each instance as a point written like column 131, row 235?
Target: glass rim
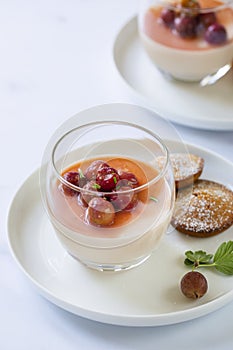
column 104, row 193
column 170, row 4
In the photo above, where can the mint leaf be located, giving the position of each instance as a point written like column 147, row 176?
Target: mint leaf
column 197, row 258
column 223, row 258
column 224, row 249
column 188, row 262
column 81, row 173
column 225, row 266
column 154, row 199
column 96, row 186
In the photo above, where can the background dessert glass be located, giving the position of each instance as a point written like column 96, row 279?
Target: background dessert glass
column 189, row 40
column 108, row 248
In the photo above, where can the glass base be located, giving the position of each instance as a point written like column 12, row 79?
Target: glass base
column 208, row 80
column 112, row 267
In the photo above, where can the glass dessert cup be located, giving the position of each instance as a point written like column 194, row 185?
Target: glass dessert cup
column 188, row 40
column 138, row 213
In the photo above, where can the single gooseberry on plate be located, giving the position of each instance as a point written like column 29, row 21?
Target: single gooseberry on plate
column 193, row 285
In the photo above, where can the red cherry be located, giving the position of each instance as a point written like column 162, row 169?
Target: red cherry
column 73, row 178
column 107, row 178
column 85, row 195
column 93, row 168
column 130, row 178
column 216, row 34
column 186, row 26
column 124, row 201
column 168, row 17
column 100, row 212
column 207, row 18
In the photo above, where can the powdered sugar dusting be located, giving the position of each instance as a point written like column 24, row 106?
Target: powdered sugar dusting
column 207, row 208
column 185, row 165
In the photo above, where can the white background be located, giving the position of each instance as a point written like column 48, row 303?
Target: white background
column 55, row 60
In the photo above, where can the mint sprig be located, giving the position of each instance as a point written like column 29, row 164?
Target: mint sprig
column 197, row 258
column 81, row 173
column 154, row 199
column 222, row 260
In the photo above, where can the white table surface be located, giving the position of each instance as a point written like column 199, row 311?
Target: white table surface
column 55, row 60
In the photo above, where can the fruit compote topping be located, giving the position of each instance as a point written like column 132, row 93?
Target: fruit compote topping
column 75, row 178
column 100, row 178
column 185, row 19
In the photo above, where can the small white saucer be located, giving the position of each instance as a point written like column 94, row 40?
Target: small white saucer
column 148, row 295
column 209, row 107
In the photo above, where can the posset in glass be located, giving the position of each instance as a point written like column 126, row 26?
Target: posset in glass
column 188, row 39
column 107, row 196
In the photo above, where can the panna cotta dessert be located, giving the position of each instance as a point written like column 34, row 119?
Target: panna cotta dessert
column 188, row 39
column 109, row 201
column 115, row 217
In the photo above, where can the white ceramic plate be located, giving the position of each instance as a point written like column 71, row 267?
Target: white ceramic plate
column 148, row 295
column 209, row 107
